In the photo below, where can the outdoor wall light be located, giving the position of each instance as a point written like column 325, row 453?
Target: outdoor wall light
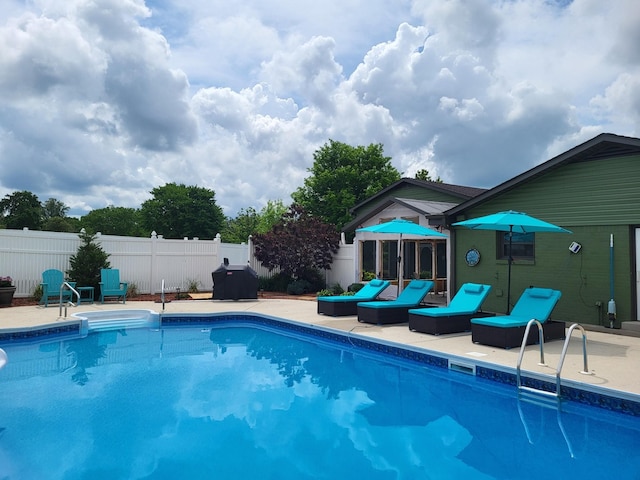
column 575, row 247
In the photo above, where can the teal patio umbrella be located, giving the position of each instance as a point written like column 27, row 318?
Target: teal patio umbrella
column 512, row 222
column 402, row 227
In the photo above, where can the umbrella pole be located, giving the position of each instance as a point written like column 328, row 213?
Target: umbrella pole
column 399, row 266
column 509, row 260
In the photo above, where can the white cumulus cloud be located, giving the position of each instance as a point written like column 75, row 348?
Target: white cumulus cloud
column 103, row 100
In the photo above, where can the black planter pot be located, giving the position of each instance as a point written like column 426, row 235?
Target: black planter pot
column 6, row 296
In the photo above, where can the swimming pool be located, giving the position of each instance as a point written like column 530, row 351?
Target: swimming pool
column 245, row 399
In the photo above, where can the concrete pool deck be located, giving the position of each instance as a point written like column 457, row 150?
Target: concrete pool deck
column 613, row 359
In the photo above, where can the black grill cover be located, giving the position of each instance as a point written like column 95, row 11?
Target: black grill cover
column 234, row 282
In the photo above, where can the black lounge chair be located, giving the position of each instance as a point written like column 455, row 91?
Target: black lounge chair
column 395, row 311
column 454, row 318
column 507, row 331
column 343, row 305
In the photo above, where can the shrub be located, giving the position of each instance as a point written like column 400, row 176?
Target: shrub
column 367, row 276
column 37, row 293
column 132, row 290
column 297, row 242
column 315, row 278
column 355, row 287
column 337, row 289
column 87, row 263
column 298, row 287
column 275, row 283
column 325, row 293
column 192, row 285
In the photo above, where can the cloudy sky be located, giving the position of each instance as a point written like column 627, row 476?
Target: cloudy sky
column 103, row 100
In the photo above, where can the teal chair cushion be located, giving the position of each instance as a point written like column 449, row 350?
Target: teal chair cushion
column 540, row 292
column 473, row 287
column 411, row 296
column 467, row 301
column 370, row 291
column 534, row 302
column 502, row 321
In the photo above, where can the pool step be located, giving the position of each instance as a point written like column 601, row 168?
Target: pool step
column 117, row 320
column 539, row 397
column 117, row 324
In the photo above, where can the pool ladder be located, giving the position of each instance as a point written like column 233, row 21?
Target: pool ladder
column 532, row 397
column 541, row 405
column 558, row 392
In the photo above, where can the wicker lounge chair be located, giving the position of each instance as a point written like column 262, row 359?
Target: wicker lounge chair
column 395, row 311
column 456, row 317
column 506, row 331
column 342, row 305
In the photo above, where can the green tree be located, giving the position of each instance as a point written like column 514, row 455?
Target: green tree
column 343, row 176
column 53, row 208
column 297, row 244
column 114, row 221
column 75, row 224
column 59, row 224
column 270, row 215
column 178, row 211
column 21, row 209
column 423, row 174
column 237, row 230
column 250, row 222
column 87, row 263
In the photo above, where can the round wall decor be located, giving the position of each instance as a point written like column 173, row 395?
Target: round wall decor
column 472, row 257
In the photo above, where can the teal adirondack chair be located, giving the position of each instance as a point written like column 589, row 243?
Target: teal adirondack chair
column 52, row 281
column 111, row 286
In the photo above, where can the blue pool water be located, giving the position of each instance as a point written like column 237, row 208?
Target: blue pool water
column 241, row 401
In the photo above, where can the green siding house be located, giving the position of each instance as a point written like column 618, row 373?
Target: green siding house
column 592, row 190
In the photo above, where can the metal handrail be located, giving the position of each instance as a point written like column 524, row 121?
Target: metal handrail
column 69, row 302
column 162, row 294
column 524, row 345
column 563, row 355
column 585, row 370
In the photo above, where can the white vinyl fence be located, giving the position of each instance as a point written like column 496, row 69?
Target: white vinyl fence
column 343, row 268
column 145, row 262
